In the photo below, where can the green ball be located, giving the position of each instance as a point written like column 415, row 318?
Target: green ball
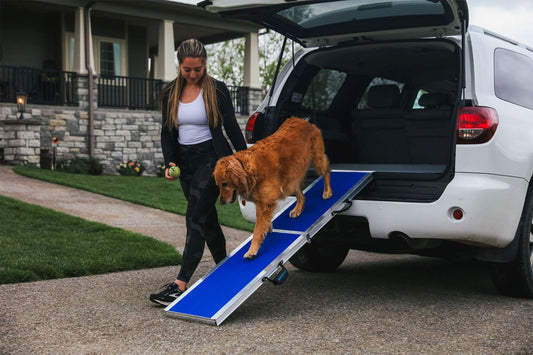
column 174, row 171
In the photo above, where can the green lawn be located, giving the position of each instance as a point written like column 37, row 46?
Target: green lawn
column 148, row 191
column 38, row 243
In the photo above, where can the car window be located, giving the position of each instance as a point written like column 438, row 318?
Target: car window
column 513, row 75
column 416, row 104
column 348, row 11
column 363, row 103
column 322, row 89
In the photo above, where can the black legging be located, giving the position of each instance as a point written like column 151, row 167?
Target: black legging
column 197, row 163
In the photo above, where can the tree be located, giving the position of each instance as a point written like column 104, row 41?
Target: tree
column 226, row 59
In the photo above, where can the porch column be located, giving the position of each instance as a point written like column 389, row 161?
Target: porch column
column 79, row 43
column 165, row 66
column 251, row 61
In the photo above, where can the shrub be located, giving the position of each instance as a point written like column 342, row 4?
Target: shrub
column 80, row 165
column 160, row 169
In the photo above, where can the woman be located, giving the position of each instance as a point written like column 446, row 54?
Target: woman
column 195, row 107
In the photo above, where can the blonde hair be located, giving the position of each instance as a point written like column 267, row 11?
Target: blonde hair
column 195, row 49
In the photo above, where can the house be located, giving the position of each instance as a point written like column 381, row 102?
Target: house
column 93, row 72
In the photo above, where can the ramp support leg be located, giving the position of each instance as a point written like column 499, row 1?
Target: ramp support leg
column 280, row 275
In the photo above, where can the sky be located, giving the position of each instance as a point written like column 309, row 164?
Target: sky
column 510, row 18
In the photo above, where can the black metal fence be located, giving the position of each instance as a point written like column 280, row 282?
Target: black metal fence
column 124, row 91
column 55, row 87
column 241, row 97
column 43, row 87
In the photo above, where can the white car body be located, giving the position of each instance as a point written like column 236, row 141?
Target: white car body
column 468, row 182
column 491, row 179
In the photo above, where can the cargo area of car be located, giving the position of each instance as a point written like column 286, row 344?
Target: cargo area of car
column 387, row 107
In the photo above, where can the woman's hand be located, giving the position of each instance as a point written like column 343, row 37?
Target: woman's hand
column 168, row 177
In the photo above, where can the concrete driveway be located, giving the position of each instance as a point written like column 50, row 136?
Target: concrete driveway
column 374, row 304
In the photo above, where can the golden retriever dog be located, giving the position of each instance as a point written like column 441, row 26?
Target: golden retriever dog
column 272, row 169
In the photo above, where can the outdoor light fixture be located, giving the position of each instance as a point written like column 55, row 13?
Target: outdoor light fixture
column 21, row 103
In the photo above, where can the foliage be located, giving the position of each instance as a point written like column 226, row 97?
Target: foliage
column 269, row 49
column 39, row 244
column 160, row 169
column 80, row 165
column 226, row 58
column 131, row 168
column 145, row 190
column 226, row 61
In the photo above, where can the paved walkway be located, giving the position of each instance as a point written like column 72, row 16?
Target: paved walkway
column 110, row 211
column 91, row 314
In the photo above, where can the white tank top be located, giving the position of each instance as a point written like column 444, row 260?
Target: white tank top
column 192, row 122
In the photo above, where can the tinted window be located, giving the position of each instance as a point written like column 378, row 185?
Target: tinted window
column 321, row 14
column 322, row 89
column 416, row 104
column 513, row 77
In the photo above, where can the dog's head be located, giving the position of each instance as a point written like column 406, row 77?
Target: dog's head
column 230, row 178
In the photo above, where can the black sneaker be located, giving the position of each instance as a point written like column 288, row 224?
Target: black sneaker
column 168, row 295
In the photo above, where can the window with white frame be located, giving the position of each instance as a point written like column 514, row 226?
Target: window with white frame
column 110, row 56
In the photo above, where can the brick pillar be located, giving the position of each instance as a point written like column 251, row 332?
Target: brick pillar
column 255, row 97
column 82, row 90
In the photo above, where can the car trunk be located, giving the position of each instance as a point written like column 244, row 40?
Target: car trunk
column 385, row 107
column 383, row 86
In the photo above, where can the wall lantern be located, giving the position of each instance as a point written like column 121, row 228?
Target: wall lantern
column 21, row 103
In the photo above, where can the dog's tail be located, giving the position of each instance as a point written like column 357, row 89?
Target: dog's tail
column 318, row 152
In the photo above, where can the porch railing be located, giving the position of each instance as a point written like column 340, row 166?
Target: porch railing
column 55, row 87
column 241, row 97
column 43, row 87
column 124, row 91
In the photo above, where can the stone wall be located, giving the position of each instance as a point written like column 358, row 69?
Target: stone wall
column 22, row 141
column 120, row 134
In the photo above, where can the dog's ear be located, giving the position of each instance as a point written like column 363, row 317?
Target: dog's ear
column 251, row 173
column 236, row 168
column 218, row 171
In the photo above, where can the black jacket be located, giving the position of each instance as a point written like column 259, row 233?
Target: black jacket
column 169, row 138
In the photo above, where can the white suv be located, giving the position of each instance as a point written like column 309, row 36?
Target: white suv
column 439, row 110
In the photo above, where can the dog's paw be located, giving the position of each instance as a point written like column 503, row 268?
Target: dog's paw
column 295, row 213
column 327, row 194
column 250, row 255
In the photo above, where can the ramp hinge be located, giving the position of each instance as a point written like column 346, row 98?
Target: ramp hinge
column 280, row 275
column 347, row 204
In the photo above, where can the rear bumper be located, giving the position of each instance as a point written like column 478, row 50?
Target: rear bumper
column 491, row 205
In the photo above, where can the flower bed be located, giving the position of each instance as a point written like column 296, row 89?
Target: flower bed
column 131, row 168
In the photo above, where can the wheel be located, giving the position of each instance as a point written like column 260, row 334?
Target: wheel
column 516, row 278
column 319, row 258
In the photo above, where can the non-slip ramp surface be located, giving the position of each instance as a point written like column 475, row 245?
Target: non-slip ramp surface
column 214, row 297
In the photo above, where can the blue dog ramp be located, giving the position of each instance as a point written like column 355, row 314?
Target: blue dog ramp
column 215, row 296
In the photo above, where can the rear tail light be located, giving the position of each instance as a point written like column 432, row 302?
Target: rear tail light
column 476, row 125
column 249, row 129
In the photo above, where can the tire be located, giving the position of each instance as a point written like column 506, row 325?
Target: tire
column 515, row 278
column 319, row 258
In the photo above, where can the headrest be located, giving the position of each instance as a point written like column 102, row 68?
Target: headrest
column 383, row 96
column 432, row 100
